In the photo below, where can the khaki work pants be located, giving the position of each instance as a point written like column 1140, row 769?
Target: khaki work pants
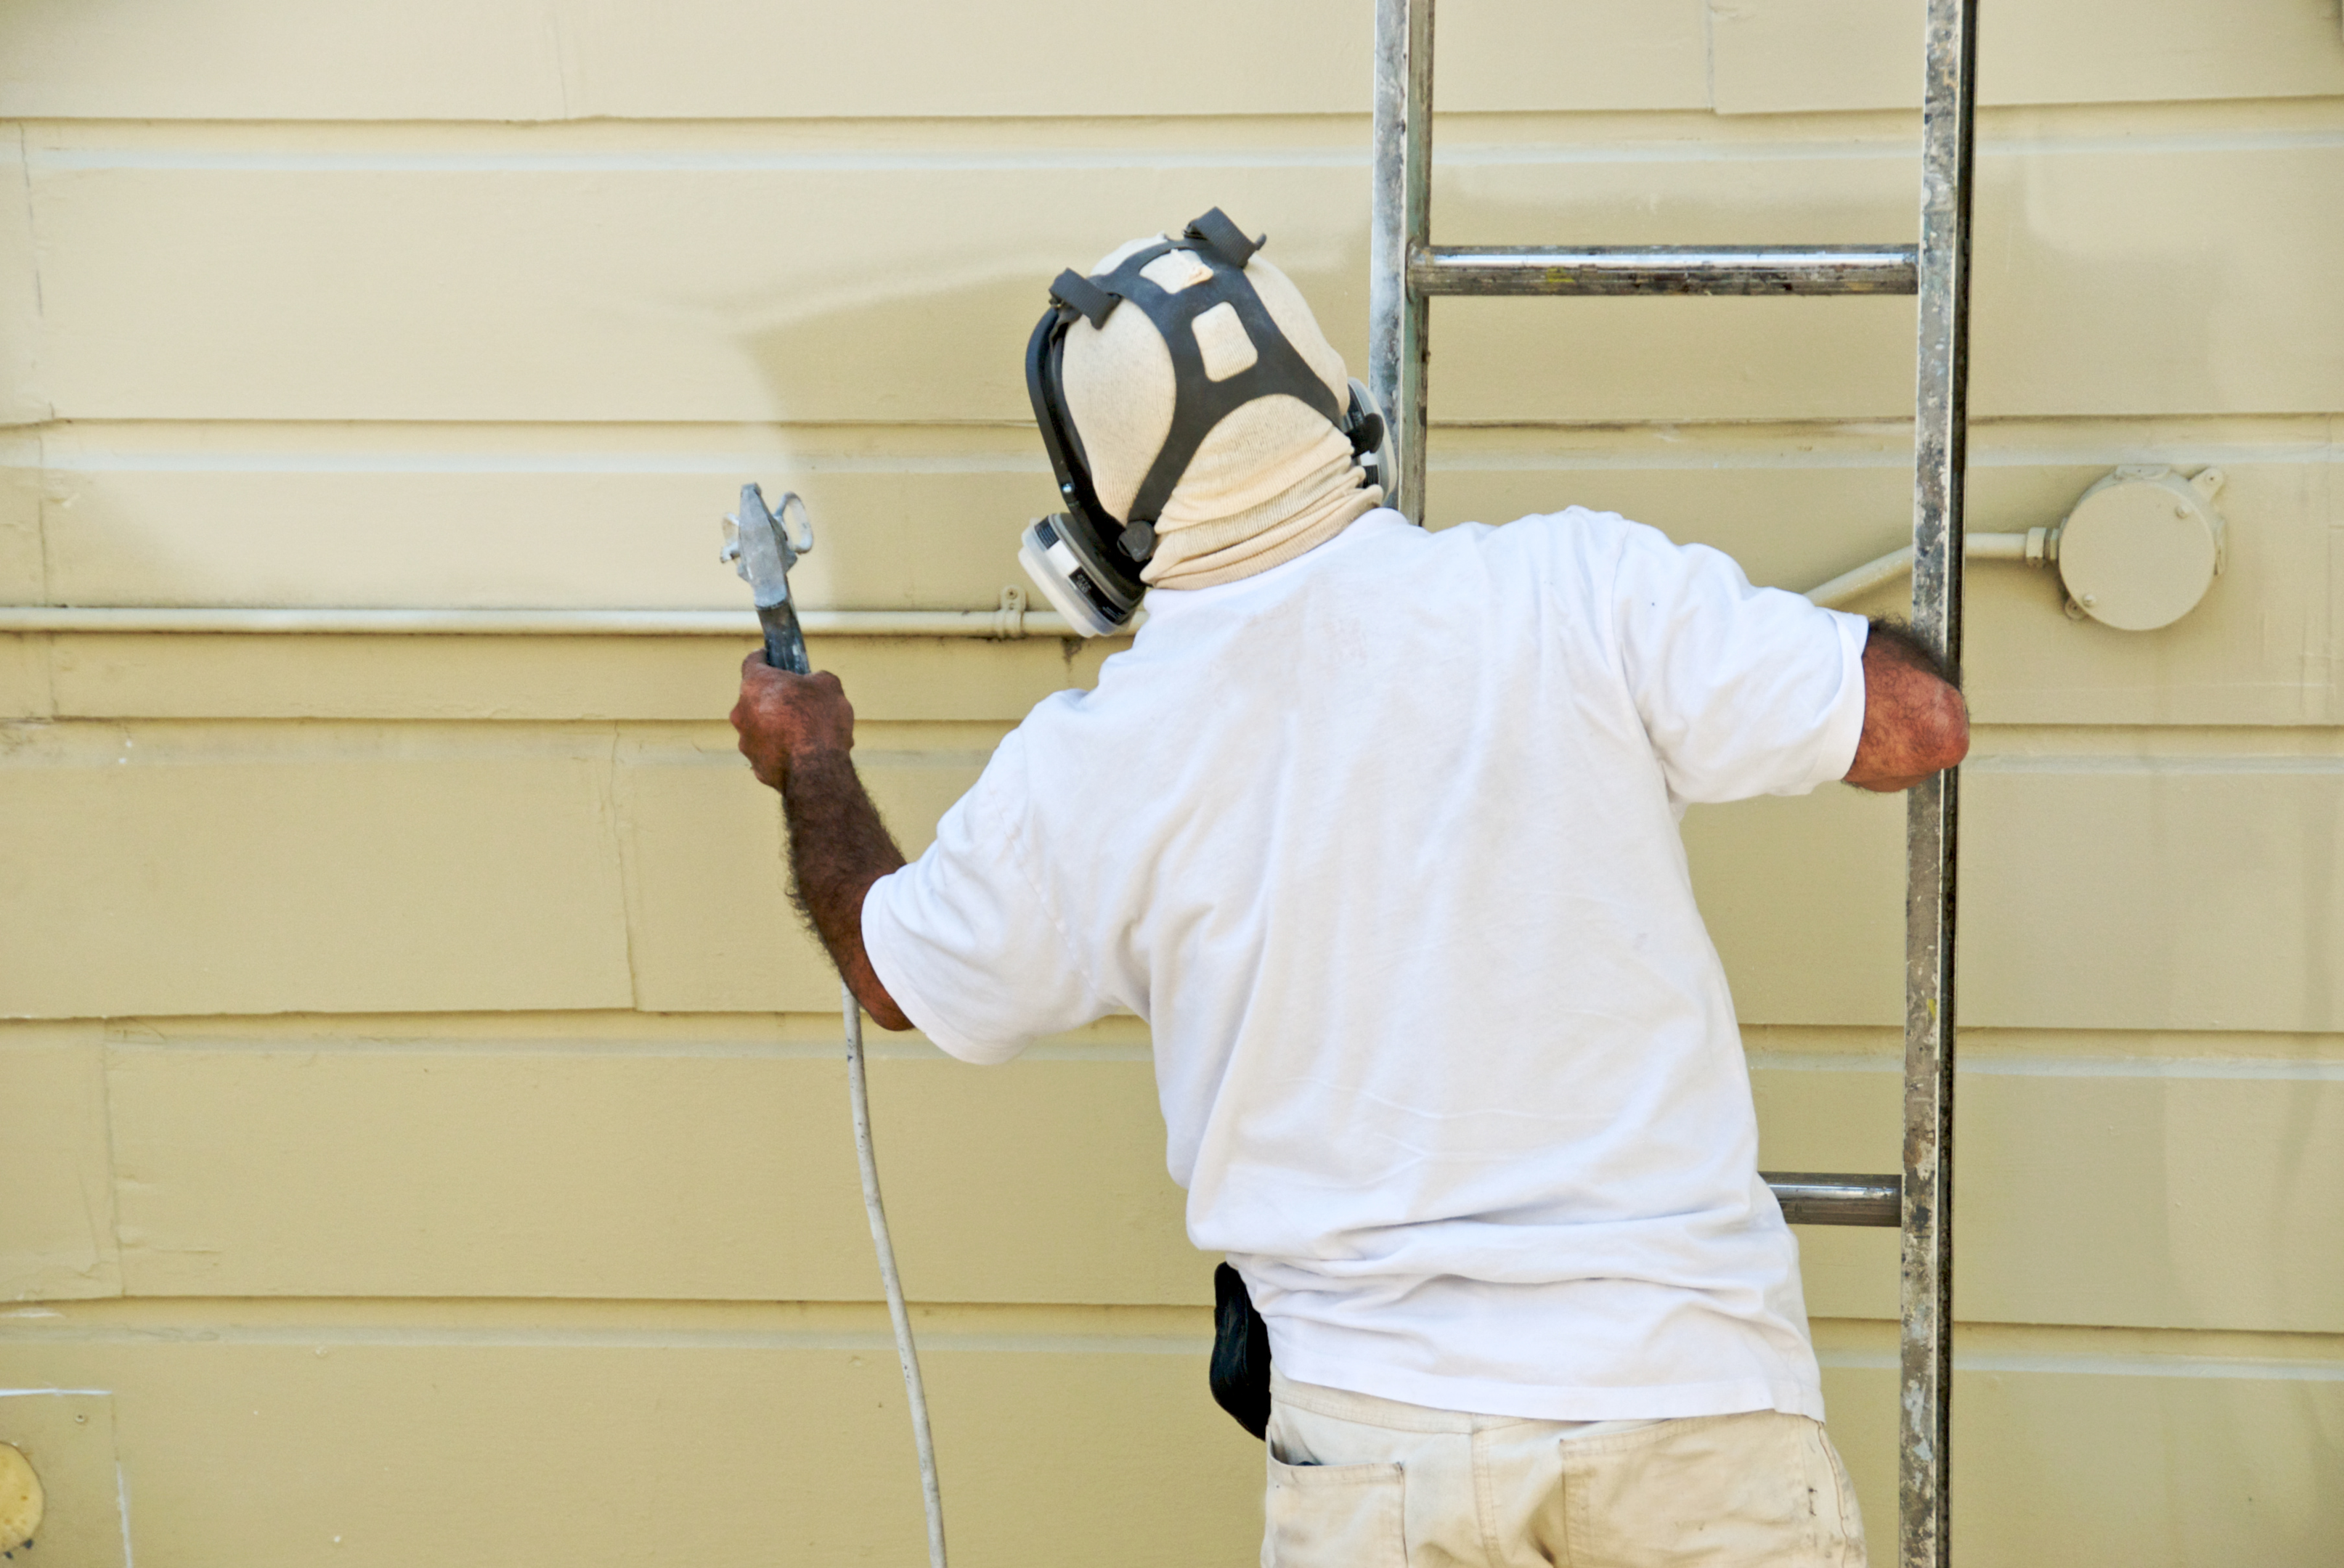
column 1357, row 1482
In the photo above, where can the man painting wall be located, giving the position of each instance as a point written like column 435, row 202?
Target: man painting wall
column 1378, row 830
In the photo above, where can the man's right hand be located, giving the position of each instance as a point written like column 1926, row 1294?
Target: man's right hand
column 1916, row 724
column 784, row 717
column 798, row 733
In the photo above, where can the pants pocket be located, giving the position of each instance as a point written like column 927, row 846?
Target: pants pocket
column 1839, row 1523
column 1334, row 1516
column 1757, row 1490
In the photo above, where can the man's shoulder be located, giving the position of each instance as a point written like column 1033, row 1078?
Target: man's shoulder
column 1574, row 528
column 1576, row 551
column 1069, row 723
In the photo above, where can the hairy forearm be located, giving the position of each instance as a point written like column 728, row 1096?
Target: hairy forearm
column 838, row 847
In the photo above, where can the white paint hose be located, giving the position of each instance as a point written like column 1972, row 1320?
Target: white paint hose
column 762, row 546
column 906, row 1352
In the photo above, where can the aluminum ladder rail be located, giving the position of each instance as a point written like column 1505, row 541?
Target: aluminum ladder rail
column 1407, row 269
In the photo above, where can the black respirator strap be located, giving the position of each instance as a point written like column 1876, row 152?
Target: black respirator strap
column 1214, row 232
column 1224, row 239
column 1199, row 403
column 1086, row 298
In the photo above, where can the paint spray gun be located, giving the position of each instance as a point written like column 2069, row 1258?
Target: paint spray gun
column 763, row 547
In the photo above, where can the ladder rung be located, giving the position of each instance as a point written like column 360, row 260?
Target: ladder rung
column 1665, row 269
column 1809, row 1199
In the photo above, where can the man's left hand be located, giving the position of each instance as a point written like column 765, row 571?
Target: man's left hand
column 784, row 717
column 1916, row 724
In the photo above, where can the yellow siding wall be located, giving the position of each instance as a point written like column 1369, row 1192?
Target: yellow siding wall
column 423, row 1137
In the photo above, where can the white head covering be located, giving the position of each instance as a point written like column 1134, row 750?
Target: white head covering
column 1272, row 480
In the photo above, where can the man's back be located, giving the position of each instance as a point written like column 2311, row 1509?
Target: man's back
column 1382, row 844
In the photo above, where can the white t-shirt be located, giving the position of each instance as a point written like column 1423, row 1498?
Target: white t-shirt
column 1382, row 844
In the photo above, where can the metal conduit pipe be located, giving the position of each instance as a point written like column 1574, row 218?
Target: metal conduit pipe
column 2033, row 547
column 1009, row 622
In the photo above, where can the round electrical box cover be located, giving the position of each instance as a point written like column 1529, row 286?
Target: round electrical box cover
column 20, row 1499
column 2142, row 547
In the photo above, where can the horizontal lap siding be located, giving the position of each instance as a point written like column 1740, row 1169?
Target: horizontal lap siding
column 57, row 1238
column 2189, row 893
column 629, row 521
column 2130, row 1193
column 387, row 276
column 735, row 59
column 621, row 1175
column 1783, row 55
column 420, row 1108
column 2119, row 1463
column 256, row 868
column 657, row 1437
column 381, row 516
column 641, row 1444
column 2200, row 1190
column 512, row 60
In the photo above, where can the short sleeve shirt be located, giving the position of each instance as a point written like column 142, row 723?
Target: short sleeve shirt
column 1383, row 845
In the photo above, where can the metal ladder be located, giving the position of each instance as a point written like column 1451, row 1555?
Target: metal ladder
column 1406, row 269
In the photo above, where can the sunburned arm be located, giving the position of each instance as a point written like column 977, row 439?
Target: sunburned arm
column 1914, row 721
column 798, row 733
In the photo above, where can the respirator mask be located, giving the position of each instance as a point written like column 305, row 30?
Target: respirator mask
column 1086, row 560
